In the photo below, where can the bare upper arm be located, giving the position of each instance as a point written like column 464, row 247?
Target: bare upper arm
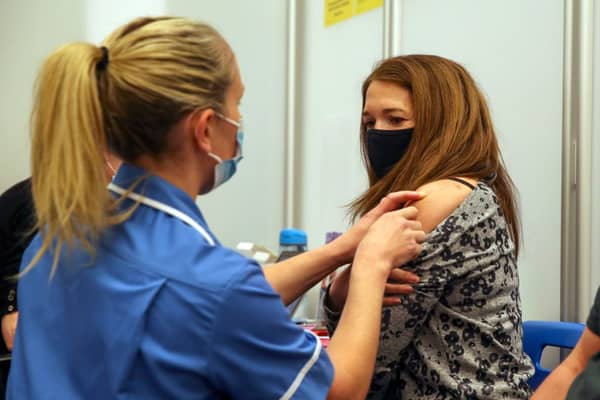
column 443, row 197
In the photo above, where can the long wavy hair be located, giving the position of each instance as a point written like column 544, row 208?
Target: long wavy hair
column 453, row 135
column 124, row 98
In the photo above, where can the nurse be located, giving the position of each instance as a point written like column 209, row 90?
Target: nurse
column 126, row 292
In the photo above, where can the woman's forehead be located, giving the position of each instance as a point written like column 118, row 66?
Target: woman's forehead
column 385, row 94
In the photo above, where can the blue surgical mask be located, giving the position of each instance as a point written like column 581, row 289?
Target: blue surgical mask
column 225, row 169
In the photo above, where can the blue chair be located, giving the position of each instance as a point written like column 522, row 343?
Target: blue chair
column 539, row 334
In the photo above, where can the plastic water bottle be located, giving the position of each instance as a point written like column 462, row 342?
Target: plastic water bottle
column 292, row 242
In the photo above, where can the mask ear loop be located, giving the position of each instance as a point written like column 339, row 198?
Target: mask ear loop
column 111, row 167
column 237, row 124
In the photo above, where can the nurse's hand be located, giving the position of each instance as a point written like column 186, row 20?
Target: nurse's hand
column 391, row 241
column 347, row 244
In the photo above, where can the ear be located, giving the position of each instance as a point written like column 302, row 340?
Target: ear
column 201, row 127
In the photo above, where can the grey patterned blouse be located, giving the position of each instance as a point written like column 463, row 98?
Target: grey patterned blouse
column 459, row 335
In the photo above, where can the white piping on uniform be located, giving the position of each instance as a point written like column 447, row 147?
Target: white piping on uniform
column 296, row 383
column 164, row 208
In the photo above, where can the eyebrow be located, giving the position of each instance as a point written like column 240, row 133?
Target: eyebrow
column 386, row 111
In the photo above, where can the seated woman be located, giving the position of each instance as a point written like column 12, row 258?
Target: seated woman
column 426, row 126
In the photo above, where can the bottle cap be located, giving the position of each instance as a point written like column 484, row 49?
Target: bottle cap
column 292, row 236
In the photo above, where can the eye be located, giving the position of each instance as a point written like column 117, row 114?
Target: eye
column 368, row 123
column 396, row 120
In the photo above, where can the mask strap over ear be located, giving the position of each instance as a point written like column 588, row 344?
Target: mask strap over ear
column 111, row 167
column 215, row 157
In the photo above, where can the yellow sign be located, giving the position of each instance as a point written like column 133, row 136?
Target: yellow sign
column 339, row 10
column 367, row 5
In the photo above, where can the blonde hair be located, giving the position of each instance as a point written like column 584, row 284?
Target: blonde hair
column 453, row 135
column 158, row 71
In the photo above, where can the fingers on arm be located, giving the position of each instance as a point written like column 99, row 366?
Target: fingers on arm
column 396, row 200
column 408, row 213
column 400, row 198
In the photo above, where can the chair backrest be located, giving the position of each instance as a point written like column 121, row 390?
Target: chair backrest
column 539, row 334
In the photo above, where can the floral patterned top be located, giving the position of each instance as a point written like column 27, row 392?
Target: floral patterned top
column 459, row 335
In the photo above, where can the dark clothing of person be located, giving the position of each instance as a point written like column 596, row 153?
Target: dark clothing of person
column 587, row 384
column 593, row 321
column 17, row 221
column 16, row 231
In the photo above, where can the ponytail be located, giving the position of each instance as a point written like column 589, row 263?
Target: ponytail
column 67, row 152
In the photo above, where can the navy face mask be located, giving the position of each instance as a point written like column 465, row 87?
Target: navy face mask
column 386, row 147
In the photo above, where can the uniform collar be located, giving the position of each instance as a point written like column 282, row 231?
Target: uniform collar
column 158, row 189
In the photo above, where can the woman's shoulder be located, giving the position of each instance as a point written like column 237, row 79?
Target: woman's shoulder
column 444, row 196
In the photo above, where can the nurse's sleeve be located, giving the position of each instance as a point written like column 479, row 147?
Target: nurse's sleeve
column 257, row 352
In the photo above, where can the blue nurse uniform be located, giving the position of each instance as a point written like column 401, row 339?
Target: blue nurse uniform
column 163, row 311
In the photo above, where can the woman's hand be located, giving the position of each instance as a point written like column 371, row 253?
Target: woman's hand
column 400, row 283
column 347, row 244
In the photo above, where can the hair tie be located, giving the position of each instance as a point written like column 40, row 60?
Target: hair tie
column 103, row 63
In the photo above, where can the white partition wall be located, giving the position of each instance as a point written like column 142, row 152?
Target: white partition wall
column 104, row 16
column 595, row 184
column 333, row 62
column 30, row 30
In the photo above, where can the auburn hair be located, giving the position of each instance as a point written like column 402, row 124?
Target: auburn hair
column 123, row 96
column 453, row 135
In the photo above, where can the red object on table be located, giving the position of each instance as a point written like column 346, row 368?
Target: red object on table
column 321, row 333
